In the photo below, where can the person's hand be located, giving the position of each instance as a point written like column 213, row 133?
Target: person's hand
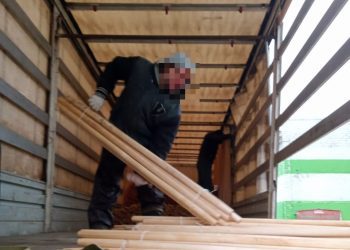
column 136, row 179
column 96, row 102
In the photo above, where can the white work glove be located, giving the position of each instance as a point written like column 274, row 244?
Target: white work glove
column 136, row 179
column 96, row 102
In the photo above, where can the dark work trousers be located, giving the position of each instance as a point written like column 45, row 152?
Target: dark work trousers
column 106, row 189
column 204, row 173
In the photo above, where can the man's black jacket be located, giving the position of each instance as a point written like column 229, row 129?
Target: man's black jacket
column 141, row 111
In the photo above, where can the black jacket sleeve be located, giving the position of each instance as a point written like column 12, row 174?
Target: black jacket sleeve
column 118, row 69
column 164, row 131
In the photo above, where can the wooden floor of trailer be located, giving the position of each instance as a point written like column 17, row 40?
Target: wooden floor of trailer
column 43, row 241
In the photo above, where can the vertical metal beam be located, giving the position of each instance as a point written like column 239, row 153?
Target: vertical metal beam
column 51, row 133
column 273, row 133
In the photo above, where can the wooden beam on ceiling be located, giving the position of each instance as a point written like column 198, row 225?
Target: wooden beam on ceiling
column 193, row 123
column 182, row 154
column 166, row 39
column 187, row 143
column 166, row 7
column 215, row 100
column 205, row 65
column 199, row 85
column 189, row 137
column 213, row 85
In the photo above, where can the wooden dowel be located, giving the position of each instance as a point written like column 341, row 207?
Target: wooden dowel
column 181, row 177
column 148, row 165
column 145, row 244
column 172, row 222
column 218, row 238
column 256, row 229
column 141, row 218
column 176, row 220
column 161, row 184
column 185, row 190
column 336, row 223
column 152, row 157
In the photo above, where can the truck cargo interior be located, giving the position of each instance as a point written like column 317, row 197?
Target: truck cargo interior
column 270, row 76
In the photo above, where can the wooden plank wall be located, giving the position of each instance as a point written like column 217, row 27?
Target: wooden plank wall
column 24, row 93
column 250, row 152
column 12, row 159
column 222, row 171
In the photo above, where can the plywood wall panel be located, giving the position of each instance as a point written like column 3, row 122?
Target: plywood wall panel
column 70, row 57
column 67, row 123
column 43, row 62
column 181, row 146
column 41, row 98
column 66, row 150
column 84, row 136
column 190, row 172
column 39, row 134
column 199, row 128
column 84, row 162
column 191, row 134
column 199, row 53
column 81, row 185
column 39, row 13
column 87, row 81
column 96, row 146
column 45, row 20
column 19, row 80
column 182, row 151
column 217, row 75
column 20, row 163
column 185, row 140
column 68, row 180
column 2, row 64
column 63, row 178
column 14, row 119
column 202, row 118
column 22, row 40
column 239, row 106
column 175, row 23
column 93, row 167
column 2, row 17
column 32, row 9
column 82, row 75
column 190, row 104
column 217, row 93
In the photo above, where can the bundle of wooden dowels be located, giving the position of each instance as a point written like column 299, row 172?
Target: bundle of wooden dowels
column 214, row 225
column 198, row 201
column 188, row 233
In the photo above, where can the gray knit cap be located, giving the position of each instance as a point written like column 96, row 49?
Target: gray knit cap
column 180, row 60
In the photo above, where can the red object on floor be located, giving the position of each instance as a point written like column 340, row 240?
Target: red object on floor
column 319, row 214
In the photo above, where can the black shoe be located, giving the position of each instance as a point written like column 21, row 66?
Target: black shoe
column 152, row 210
column 100, row 227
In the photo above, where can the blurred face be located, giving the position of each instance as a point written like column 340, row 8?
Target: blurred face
column 173, row 80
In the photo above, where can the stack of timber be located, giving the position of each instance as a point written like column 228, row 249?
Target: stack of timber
column 189, row 233
column 198, row 201
column 214, row 225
